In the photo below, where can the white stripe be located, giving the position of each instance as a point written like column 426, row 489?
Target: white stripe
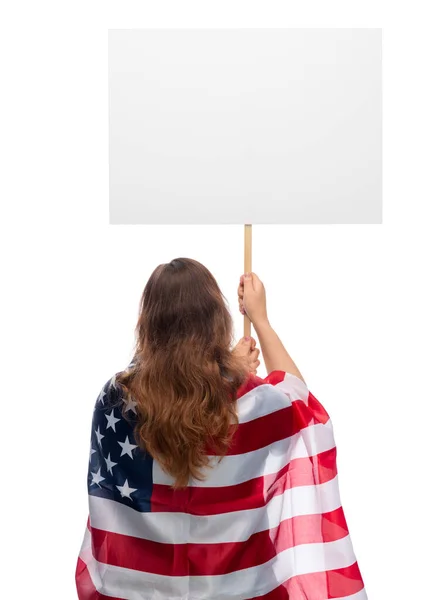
column 294, row 387
column 86, row 555
column 237, row 526
column 362, row 595
column 238, row 468
column 268, row 398
column 245, row 583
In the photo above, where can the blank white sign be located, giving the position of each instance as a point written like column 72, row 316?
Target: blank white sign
column 245, row 126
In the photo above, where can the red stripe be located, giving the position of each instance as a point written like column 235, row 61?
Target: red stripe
column 319, row 412
column 84, row 585
column 273, row 427
column 179, row 560
column 254, row 493
column 319, row 586
column 325, row 585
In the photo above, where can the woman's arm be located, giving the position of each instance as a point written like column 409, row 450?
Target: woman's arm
column 274, row 353
column 252, row 301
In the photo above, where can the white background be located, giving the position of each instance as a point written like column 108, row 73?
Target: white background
column 355, row 305
column 226, row 126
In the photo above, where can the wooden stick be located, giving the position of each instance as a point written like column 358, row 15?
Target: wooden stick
column 247, row 269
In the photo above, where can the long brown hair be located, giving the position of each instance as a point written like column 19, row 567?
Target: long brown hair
column 185, row 377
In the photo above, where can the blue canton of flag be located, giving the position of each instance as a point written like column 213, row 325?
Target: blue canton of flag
column 119, row 470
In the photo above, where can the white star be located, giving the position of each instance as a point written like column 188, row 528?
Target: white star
column 112, row 420
column 109, row 464
column 92, row 451
column 99, row 436
column 101, row 395
column 125, row 490
column 113, row 381
column 130, row 405
column 127, row 448
column 97, row 478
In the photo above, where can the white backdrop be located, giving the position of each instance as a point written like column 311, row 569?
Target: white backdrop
column 355, row 305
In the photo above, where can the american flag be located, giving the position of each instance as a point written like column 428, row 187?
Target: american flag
column 266, row 523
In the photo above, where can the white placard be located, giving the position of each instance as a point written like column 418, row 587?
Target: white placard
column 245, row 126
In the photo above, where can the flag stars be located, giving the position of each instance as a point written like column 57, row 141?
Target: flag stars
column 92, row 451
column 130, row 404
column 109, row 464
column 101, row 395
column 96, row 478
column 125, row 490
column 127, row 448
column 99, row 436
column 112, row 420
column 113, row 381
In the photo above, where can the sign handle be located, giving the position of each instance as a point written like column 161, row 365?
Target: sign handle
column 247, row 269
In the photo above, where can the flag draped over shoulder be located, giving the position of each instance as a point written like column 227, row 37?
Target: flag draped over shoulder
column 266, row 523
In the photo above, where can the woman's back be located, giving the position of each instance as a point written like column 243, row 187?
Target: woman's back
column 266, row 522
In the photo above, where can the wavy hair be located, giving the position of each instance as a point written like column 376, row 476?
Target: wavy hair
column 185, row 376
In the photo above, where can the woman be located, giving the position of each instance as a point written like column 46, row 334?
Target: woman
column 206, row 481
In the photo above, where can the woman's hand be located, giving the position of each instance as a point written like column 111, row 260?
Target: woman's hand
column 246, row 347
column 252, row 299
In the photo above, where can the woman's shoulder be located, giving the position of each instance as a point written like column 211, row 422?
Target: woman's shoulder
column 112, row 393
column 277, row 378
column 259, row 396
